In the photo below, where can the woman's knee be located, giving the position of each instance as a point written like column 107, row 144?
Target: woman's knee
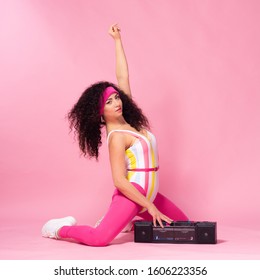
column 100, row 238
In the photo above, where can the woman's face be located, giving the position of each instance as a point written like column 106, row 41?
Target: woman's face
column 113, row 107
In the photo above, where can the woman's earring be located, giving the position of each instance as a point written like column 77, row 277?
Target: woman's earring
column 102, row 120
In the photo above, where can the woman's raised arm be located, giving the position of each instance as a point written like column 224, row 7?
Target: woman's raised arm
column 122, row 73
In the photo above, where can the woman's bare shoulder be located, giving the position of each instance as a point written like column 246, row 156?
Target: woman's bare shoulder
column 116, row 137
column 120, row 139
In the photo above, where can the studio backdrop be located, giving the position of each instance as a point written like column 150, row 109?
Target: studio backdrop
column 194, row 70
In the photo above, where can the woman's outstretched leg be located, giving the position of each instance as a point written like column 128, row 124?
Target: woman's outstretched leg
column 121, row 211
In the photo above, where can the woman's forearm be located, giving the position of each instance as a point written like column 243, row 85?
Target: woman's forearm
column 128, row 190
column 122, row 71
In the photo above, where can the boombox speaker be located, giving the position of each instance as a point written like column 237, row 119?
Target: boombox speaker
column 176, row 232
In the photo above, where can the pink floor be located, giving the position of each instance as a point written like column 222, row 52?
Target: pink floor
column 22, row 240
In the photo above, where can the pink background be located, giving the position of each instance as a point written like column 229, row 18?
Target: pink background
column 194, row 69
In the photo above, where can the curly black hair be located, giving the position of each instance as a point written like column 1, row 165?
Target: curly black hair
column 85, row 118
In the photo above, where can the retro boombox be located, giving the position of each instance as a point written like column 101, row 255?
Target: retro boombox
column 176, row 232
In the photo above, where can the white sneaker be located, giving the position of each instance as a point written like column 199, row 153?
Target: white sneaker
column 51, row 228
column 98, row 222
column 129, row 227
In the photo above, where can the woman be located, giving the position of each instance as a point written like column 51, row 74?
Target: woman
column 133, row 158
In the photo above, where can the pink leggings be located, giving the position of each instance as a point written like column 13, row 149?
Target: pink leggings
column 121, row 211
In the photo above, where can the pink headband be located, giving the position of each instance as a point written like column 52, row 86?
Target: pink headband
column 106, row 94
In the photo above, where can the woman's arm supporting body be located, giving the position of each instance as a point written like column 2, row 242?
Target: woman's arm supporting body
column 122, row 72
column 118, row 142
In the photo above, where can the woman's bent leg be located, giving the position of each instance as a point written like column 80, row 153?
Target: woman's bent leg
column 167, row 207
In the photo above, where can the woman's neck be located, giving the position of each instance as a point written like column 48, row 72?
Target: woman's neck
column 120, row 124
